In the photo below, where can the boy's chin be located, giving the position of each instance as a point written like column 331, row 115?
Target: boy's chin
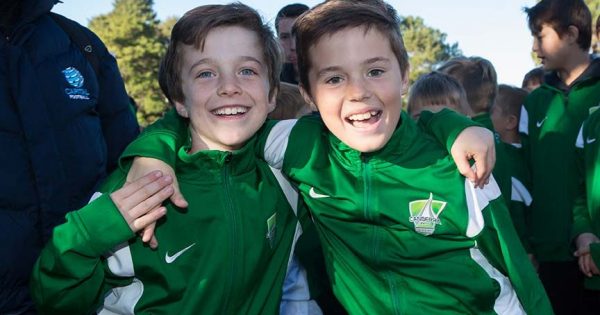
column 366, row 145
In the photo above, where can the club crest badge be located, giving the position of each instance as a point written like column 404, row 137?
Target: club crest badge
column 424, row 214
column 271, row 229
column 75, row 80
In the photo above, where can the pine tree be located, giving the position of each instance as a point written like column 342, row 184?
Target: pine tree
column 426, row 46
column 131, row 33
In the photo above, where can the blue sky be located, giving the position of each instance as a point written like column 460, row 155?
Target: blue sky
column 493, row 29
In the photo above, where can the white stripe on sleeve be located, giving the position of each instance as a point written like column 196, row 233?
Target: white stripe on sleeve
column 477, row 200
column 277, row 142
column 524, row 121
column 519, row 192
column 579, row 143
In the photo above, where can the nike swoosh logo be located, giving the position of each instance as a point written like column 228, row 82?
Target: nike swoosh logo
column 589, row 140
column 541, row 122
column 171, row 259
column 313, row 194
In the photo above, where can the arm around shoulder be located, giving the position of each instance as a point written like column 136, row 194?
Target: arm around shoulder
column 69, row 276
column 161, row 141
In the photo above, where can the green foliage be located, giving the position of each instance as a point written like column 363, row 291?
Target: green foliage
column 166, row 26
column 426, row 46
column 594, row 6
column 131, row 32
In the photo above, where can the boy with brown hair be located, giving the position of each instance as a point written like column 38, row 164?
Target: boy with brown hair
column 229, row 251
column 395, row 239
column 289, row 103
column 435, row 91
column 505, row 115
column 552, row 116
column 478, row 77
column 533, row 79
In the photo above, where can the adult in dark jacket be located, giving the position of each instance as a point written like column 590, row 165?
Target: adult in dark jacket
column 62, row 128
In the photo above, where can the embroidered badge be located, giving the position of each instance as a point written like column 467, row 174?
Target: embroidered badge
column 424, row 214
column 75, row 80
column 272, row 229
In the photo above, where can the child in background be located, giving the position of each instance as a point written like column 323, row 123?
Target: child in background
column 289, row 103
column 229, row 251
column 478, row 77
column 552, row 117
column 505, row 116
column 586, row 211
column 533, row 79
column 402, row 231
column 435, row 91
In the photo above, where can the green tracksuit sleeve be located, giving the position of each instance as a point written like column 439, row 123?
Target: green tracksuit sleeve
column 501, row 245
column 581, row 215
column 70, row 276
column 161, row 140
column 445, row 126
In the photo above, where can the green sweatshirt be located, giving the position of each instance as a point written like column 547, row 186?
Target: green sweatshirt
column 402, row 231
column 227, row 253
column 520, row 202
column 586, row 211
column 552, row 117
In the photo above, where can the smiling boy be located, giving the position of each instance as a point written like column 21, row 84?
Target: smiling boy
column 229, row 251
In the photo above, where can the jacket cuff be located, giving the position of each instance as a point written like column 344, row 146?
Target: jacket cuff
column 102, row 225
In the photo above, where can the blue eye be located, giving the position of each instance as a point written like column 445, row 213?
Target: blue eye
column 334, row 80
column 247, row 72
column 375, row 73
column 205, row 74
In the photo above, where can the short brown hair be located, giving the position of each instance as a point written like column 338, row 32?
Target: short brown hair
column 192, row 29
column 439, row 89
column 290, row 103
column 510, row 99
column 535, row 75
column 560, row 14
column 335, row 15
column 478, row 77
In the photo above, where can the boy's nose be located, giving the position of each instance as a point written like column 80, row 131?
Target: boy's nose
column 535, row 45
column 357, row 90
column 229, row 85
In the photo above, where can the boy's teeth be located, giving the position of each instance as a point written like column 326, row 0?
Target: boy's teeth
column 363, row 116
column 230, row 110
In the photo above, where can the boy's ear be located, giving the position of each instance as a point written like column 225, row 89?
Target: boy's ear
column 273, row 101
column 512, row 122
column 405, row 81
column 573, row 34
column 307, row 98
column 181, row 110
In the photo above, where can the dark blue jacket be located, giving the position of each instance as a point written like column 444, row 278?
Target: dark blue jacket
column 62, row 129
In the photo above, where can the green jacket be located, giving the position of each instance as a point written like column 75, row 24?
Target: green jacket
column 520, row 202
column 552, row 116
column 586, row 211
column 227, row 253
column 403, row 232
column 385, row 260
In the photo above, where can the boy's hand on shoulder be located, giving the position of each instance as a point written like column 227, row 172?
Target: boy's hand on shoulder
column 475, row 143
column 139, row 201
column 142, row 166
